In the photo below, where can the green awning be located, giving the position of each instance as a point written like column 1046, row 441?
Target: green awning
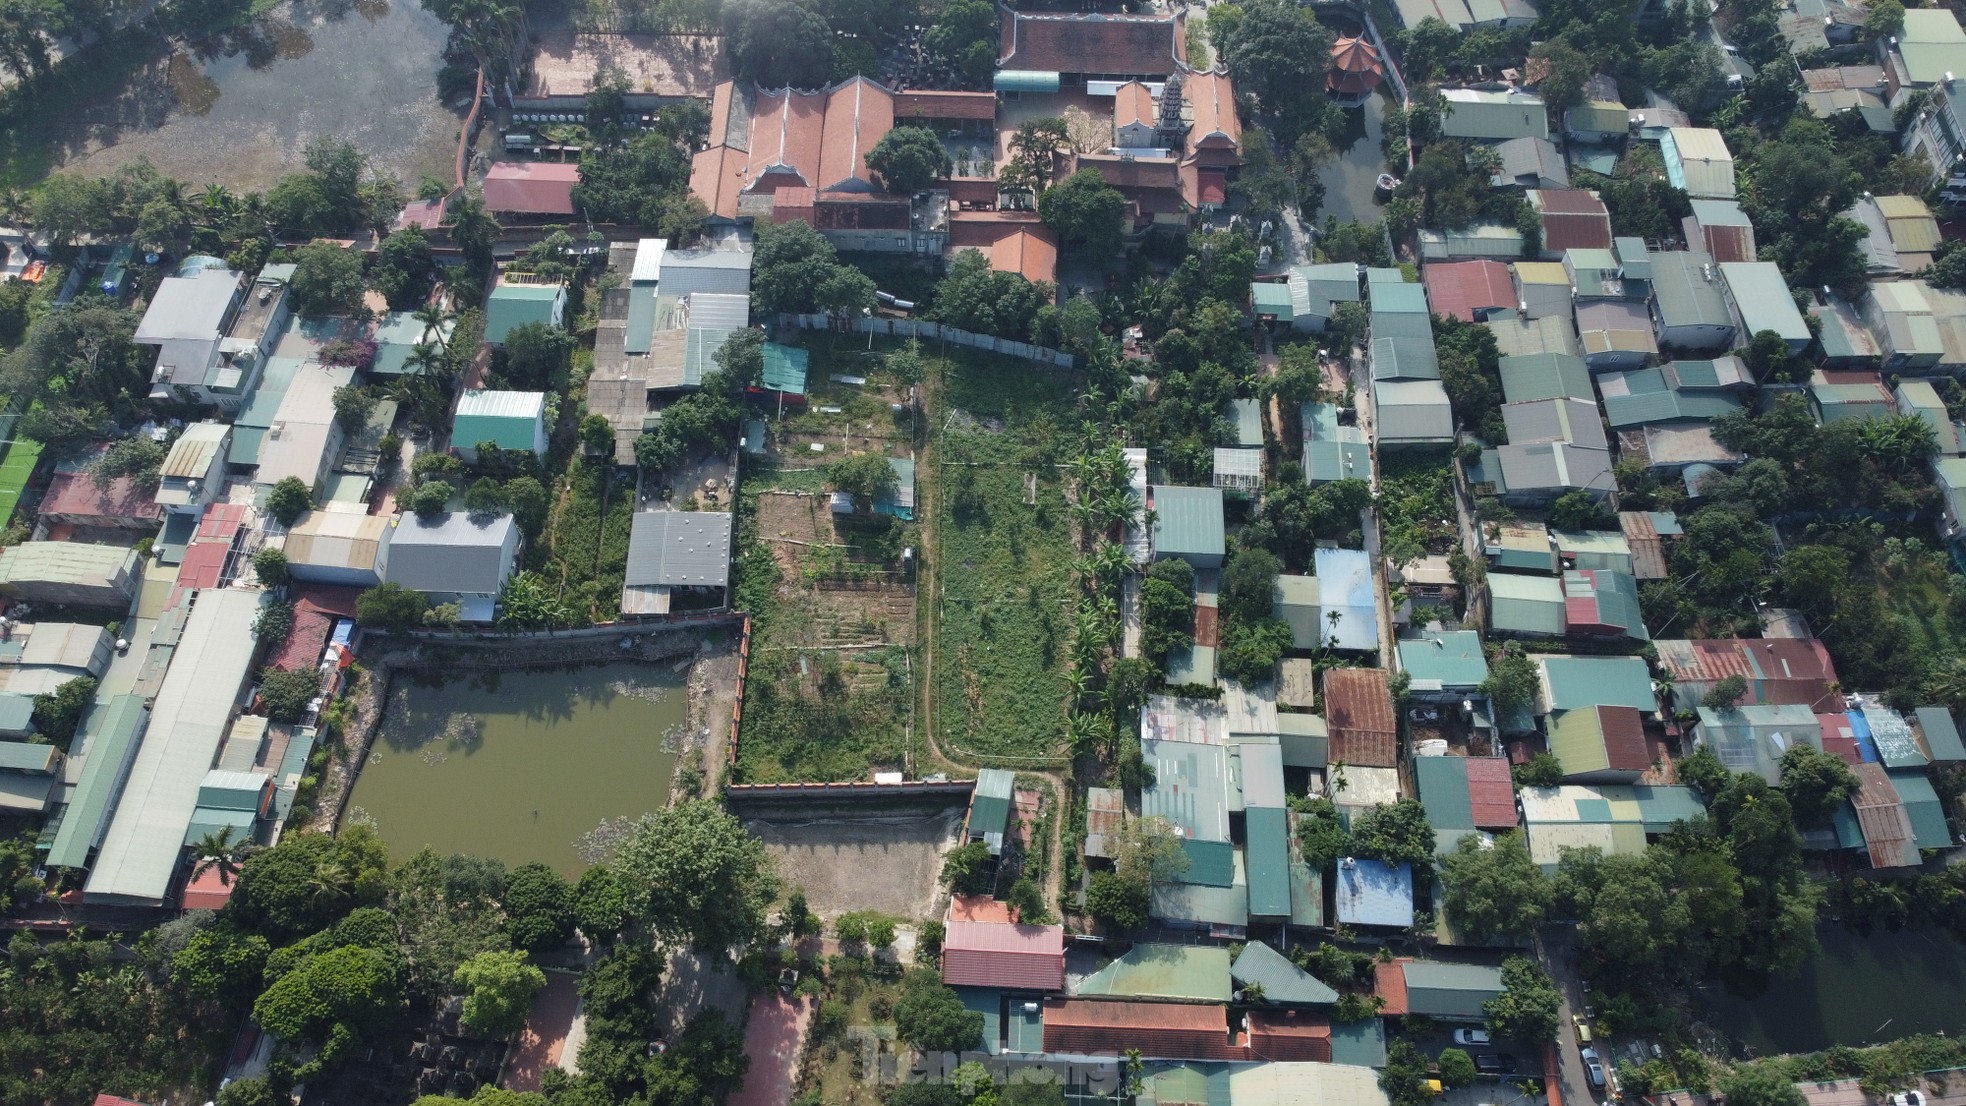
column 1026, row 80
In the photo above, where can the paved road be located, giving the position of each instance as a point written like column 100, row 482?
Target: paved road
column 1556, row 946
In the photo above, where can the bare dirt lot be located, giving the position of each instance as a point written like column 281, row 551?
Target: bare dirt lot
column 814, row 553
column 887, row 862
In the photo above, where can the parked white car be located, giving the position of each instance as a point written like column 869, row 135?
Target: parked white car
column 1470, row 1036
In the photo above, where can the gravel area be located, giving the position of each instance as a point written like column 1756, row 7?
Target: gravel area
column 888, row 862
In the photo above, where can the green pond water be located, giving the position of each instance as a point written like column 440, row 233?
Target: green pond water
column 518, row 765
column 1861, row 990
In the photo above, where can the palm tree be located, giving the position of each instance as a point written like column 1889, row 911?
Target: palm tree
column 327, row 885
column 218, row 204
column 1900, row 443
column 217, row 851
column 435, row 318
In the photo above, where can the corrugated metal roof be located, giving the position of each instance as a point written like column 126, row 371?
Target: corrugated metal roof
column 1282, row 981
column 1442, row 783
column 1360, row 1043
column 1358, row 707
column 1412, row 411
column 679, row 549
column 337, row 539
column 1267, row 860
column 1439, row 989
column 785, row 368
column 1002, row 955
column 1941, row 734
column 140, row 851
column 1525, row 604
column 512, row 306
column 1542, row 376
column 719, row 311
column 1441, row 659
column 1188, row 523
column 1762, row 295
column 1191, row 973
column 1374, row 893
column 1923, row 809
column 487, row 404
column 29, row 757
column 1699, row 156
column 65, row 562
column 452, row 553
column 648, row 260
column 110, row 735
column 1162, row 1030
column 989, row 1003
column 1896, row 746
column 1881, row 817
column 1573, row 683
column 191, row 456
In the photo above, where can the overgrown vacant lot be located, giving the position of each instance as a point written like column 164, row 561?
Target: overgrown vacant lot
column 1003, row 551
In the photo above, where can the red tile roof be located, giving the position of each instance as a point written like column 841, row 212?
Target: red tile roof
column 1358, row 708
column 1133, row 103
column 1458, row 289
column 1011, row 957
column 1126, row 173
column 531, row 187
column 1355, row 67
column 1389, row 982
column 761, row 142
column 114, row 1100
column 977, row 908
column 1624, row 739
column 1573, row 219
column 1212, row 96
column 1116, row 45
column 1162, row 1030
column 1491, row 793
column 73, row 497
column 1289, row 1036
column 206, row 891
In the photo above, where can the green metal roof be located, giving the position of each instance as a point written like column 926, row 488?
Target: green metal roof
column 1190, row 972
column 1026, row 80
column 65, row 562
column 1577, row 739
column 1306, row 883
column 1360, row 1043
column 508, row 419
column 1188, row 523
column 700, row 346
column 1248, row 420
column 1576, row 682
column 1025, row 1031
column 1659, row 806
column 1534, row 376
column 28, row 756
column 990, row 803
column 785, row 368
column 1896, row 746
column 1525, row 604
column 1190, row 1084
column 16, row 713
column 989, row 1003
column 206, row 820
column 109, row 740
column 1267, row 860
column 1271, row 298
column 1282, row 982
column 1442, row 783
column 1304, row 739
column 1928, row 819
column 514, row 305
column 1941, row 733
column 1191, row 664
column 1440, row 659
column 1441, row 989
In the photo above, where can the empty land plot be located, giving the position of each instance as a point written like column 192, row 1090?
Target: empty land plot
column 886, row 860
column 1003, row 553
column 829, row 693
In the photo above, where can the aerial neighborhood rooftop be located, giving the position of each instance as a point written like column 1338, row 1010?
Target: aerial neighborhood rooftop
column 955, row 554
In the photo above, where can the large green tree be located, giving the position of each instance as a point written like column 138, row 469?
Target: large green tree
column 498, row 988
column 693, row 873
column 908, row 159
column 1085, row 213
column 1495, row 892
column 1529, row 1007
column 327, row 280
column 932, row 1018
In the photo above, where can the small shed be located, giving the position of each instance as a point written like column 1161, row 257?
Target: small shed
column 512, row 306
column 1188, row 524
column 1296, row 603
column 990, row 806
column 1374, row 893
column 508, row 420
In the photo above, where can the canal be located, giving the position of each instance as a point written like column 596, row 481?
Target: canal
column 518, row 765
column 1859, row 991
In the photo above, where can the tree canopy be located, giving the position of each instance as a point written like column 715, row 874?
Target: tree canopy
column 693, row 873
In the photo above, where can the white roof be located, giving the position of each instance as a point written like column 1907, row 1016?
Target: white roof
column 1305, row 1084
column 502, row 405
column 190, row 307
column 648, row 260
column 719, row 311
column 302, row 427
column 214, row 653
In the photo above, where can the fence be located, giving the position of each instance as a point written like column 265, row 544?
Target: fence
column 922, row 328
column 861, row 789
